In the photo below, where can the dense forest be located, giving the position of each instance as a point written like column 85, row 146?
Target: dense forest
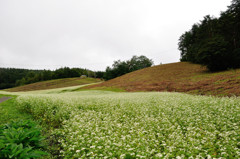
column 214, row 42
column 11, row 77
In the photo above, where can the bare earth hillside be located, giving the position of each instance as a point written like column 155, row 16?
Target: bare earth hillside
column 178, row 77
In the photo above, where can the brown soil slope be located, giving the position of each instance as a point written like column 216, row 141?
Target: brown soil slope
column 179, row 77
column 59, row 83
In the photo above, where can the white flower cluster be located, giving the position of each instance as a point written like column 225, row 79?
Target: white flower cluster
column 98, row 124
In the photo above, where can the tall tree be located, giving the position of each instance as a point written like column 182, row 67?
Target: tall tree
column 120, row 68
column 214, row 42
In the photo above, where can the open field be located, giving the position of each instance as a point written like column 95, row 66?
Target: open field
column 51, row 84
column 109, row 124
column 178, row 77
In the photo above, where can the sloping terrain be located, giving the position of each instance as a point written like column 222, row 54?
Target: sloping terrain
column 51, row 84
column 178, row 77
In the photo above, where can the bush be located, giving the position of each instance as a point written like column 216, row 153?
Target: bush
column 22, row 140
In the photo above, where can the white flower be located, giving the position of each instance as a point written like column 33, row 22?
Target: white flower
column 159, row 155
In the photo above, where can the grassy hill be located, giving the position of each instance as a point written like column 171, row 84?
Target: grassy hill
column 177, row 77
column 51, row 84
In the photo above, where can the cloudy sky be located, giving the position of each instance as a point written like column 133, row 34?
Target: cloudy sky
column 48, row 34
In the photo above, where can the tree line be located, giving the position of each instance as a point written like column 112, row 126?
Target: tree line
column 214, row 42
column 11, row 77
column 120, row 68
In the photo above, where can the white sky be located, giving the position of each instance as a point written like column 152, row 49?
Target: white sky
column 49, row 34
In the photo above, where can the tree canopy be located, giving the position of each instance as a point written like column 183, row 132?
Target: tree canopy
column 120, row 68
column 214, row 42
column 11, row 77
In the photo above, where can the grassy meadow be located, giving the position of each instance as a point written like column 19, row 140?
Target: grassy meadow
column 106, row 124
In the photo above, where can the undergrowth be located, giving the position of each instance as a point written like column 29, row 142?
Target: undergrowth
column 21, row 140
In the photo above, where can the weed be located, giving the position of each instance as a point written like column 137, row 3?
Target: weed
column 22, row 140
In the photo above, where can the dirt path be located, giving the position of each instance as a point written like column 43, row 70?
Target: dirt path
column 4, row 99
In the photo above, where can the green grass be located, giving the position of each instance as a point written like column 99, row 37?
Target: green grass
column 4, row 95
column 112, row 89
column 9, row 111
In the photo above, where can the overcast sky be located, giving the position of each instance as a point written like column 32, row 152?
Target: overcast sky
column 49, row 34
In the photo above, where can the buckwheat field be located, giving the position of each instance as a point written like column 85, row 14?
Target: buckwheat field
column 102, row 124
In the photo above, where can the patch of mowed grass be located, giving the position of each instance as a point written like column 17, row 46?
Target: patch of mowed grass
column 9, row 111
column 52, row 84
column 112, row 89
column 4, row 95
